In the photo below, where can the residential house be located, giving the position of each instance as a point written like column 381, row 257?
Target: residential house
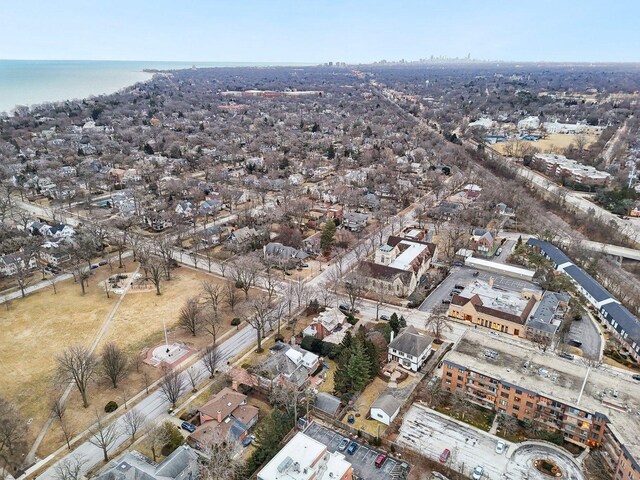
column 282, row 253
column 243, row 235
column 53, row 254
column 186, row 208
column 290, row 364
column 227, row 416
column 182, row 464
column 355, row 221
column 305, row 458
column 385, row 408
column 482, row 242
column 210, row 206
column 472, row 191
column 504, row 210
column 330, row 326
column 410, row 349
column 11, row 263
column 311, row 244
column 157, row 221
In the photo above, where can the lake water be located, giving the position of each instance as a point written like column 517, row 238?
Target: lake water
column 29, row 82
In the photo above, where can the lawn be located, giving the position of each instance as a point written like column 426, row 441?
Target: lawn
column 553, row 142
column 362, row 406
column 68, row 318
column 37, row 328
column 479, row 417
column 327, row 384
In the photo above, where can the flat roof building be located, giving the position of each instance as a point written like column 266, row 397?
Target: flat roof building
column 304, row 458
column 588, row 406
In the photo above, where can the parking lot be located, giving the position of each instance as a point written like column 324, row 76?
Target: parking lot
column 464, row 276
column 429, row 434
column 362, row 460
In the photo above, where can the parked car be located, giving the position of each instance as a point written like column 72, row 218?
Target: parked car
column 477, row 473
column 102, row 263
column 304, row 265
column 500, row 447
column 476, row 273
column 189, row 427
column 444, row 456
column 344, row 443
column 384, row 317
column 457, row 264
column 347, row 309
column 248, row 440
column 380, row 460
column 498, row 252
column 635, row 377
column 352, row 448
column 565, row 355
column 459, row 287
column 446, row 302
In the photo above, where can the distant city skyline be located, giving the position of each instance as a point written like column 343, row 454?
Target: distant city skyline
column 352, row 31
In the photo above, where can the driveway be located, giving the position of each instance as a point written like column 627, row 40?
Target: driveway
column 428, row 433
column 588, row 333
column 362, row 460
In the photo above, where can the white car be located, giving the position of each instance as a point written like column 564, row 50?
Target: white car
column 500, row 447
column 477, row 473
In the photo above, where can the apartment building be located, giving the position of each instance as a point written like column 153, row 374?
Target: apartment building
column 618, row 319
column 589, row 407
column 562, row 167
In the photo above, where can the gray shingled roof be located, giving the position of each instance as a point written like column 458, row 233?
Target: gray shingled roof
column 411, row 342
column 327, row 403
column 387, row 403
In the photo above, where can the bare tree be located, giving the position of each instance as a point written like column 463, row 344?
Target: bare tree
column 244, row 272
column 231, row 295
column 134, row 421
column 354, row 286
column 103, row 435
column 194, row 376
column 437, row 324
column 171, row 385
column 58, row 410
column 114, row 363
column 260, row 317
column 300, row 290
column 190, row 316
column 70, row 468
column 77, row 364
column 212, row 294
column 13, row 445
column 221, row 463
column 157, row 438
column 211, row 359
column 154, row 268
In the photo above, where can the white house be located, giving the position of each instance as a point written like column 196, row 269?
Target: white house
column 410, row 349
column 385, row 408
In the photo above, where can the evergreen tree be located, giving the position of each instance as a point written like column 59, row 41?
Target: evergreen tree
column 326, row 239
column 394, row 323
column 331, row 154
column 372, row 356
column 358, row 367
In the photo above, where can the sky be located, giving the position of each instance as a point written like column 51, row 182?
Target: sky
column 306, row 31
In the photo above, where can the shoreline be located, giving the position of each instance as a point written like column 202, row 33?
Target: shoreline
column 30, row 83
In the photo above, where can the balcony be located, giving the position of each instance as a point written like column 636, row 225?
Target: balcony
column 487, row 390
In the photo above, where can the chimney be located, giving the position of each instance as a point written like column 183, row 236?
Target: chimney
column 219, row 416
column 392, row 335
column 491, row 282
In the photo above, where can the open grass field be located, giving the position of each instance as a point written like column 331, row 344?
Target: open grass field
column 40, row 326
column 555, row 142
column 37, row 328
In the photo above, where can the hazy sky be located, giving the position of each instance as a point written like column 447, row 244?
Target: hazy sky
column 320, row 30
